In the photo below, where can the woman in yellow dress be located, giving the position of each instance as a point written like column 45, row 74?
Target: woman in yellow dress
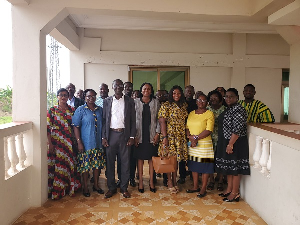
column 200, row 124
column 172, row 116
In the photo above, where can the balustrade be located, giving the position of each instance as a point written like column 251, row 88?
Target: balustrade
column 15, row 157
column 262, row 155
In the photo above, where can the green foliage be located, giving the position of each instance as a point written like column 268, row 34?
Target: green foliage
column 5, row 119
column 6, row 100
column 51, row 99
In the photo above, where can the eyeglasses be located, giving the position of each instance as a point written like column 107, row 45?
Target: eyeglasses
column 118, row 86
column 91, row 96
column 63, row 95
column 200, row 100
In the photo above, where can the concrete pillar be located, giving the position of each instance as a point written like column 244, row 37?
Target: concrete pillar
column 29, row 29
column 294, row 83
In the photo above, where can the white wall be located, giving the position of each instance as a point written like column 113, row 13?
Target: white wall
column 267, row 82
column 275, row 199
column 215, row 59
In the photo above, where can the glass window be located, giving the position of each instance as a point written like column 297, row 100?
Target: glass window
column 162, row 78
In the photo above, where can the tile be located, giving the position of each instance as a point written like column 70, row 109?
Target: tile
column 142, row 208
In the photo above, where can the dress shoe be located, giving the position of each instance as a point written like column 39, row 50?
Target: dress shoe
column 201, row 195
column 224, row 195
column 126, row 194
column 236, row 198
column 132, row 183
column 86, row 194
column 99, row 190
column 181, row 181
column 192, row 191
column 153, row 190
column 110, row 193
column 118, row 183
column 141, row 190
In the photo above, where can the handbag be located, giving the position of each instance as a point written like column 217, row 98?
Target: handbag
column 164, row 164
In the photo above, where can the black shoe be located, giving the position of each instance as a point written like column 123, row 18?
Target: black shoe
column 132, row 183
column 86, row 194
column 141, row 190
column 181, row 181
column 100, row 191
column 118, row 183
column 153, row 190
column 224, row 195
column 201, row 195
column 235, row 199
column 192, row 191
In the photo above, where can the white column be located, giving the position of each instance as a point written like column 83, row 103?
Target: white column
column 6, row 159
column 13, row 156
column 257, row 151
column 264, row 156
column 269, row 164
column 21, row 151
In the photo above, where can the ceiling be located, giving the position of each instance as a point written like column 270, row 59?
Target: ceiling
column 229, row 20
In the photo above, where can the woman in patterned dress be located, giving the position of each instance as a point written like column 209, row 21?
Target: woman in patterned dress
column 87, row 122
column 232, row 156
column 62, row 177
column 199, row 127
column 215, row 99
column 172, row 116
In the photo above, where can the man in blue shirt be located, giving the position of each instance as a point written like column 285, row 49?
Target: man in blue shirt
column 103, row 90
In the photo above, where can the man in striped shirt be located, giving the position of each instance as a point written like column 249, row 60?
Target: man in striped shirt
column 257, row 111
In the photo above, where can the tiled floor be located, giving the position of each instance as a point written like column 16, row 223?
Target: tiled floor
column 146, row 208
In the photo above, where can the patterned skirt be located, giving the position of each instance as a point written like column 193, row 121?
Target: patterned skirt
column 62, row 175
column 91, row 159
column 201, row 157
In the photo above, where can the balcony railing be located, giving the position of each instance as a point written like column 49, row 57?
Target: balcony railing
column 16, row 143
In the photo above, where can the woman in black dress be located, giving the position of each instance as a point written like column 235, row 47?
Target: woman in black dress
column 148, row 130
column 232, row 156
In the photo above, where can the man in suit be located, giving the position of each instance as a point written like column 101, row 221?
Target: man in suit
column 73, row 101
column 118, row 132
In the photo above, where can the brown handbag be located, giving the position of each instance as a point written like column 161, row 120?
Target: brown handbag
column 164, row 164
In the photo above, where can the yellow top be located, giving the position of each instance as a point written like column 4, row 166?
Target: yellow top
column 196, row 124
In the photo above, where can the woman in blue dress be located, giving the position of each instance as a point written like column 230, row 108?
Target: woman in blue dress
column 87, row 122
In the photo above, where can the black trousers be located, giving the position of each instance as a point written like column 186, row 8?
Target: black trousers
column 117, row 148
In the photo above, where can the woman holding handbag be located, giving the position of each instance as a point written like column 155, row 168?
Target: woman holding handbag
column 172, row 116
column 200, row 125
column 147, row 132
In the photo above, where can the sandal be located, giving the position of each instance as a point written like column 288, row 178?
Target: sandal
column 220, row 187
column 173, row 190
column 211, row 186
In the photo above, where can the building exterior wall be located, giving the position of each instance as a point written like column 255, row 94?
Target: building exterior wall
column 215, row 59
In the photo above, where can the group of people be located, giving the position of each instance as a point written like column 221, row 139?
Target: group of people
column 207, row 134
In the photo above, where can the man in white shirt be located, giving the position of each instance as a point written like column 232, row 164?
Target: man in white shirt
column 118, row 132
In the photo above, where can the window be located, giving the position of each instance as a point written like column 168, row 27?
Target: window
column 162, row 78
